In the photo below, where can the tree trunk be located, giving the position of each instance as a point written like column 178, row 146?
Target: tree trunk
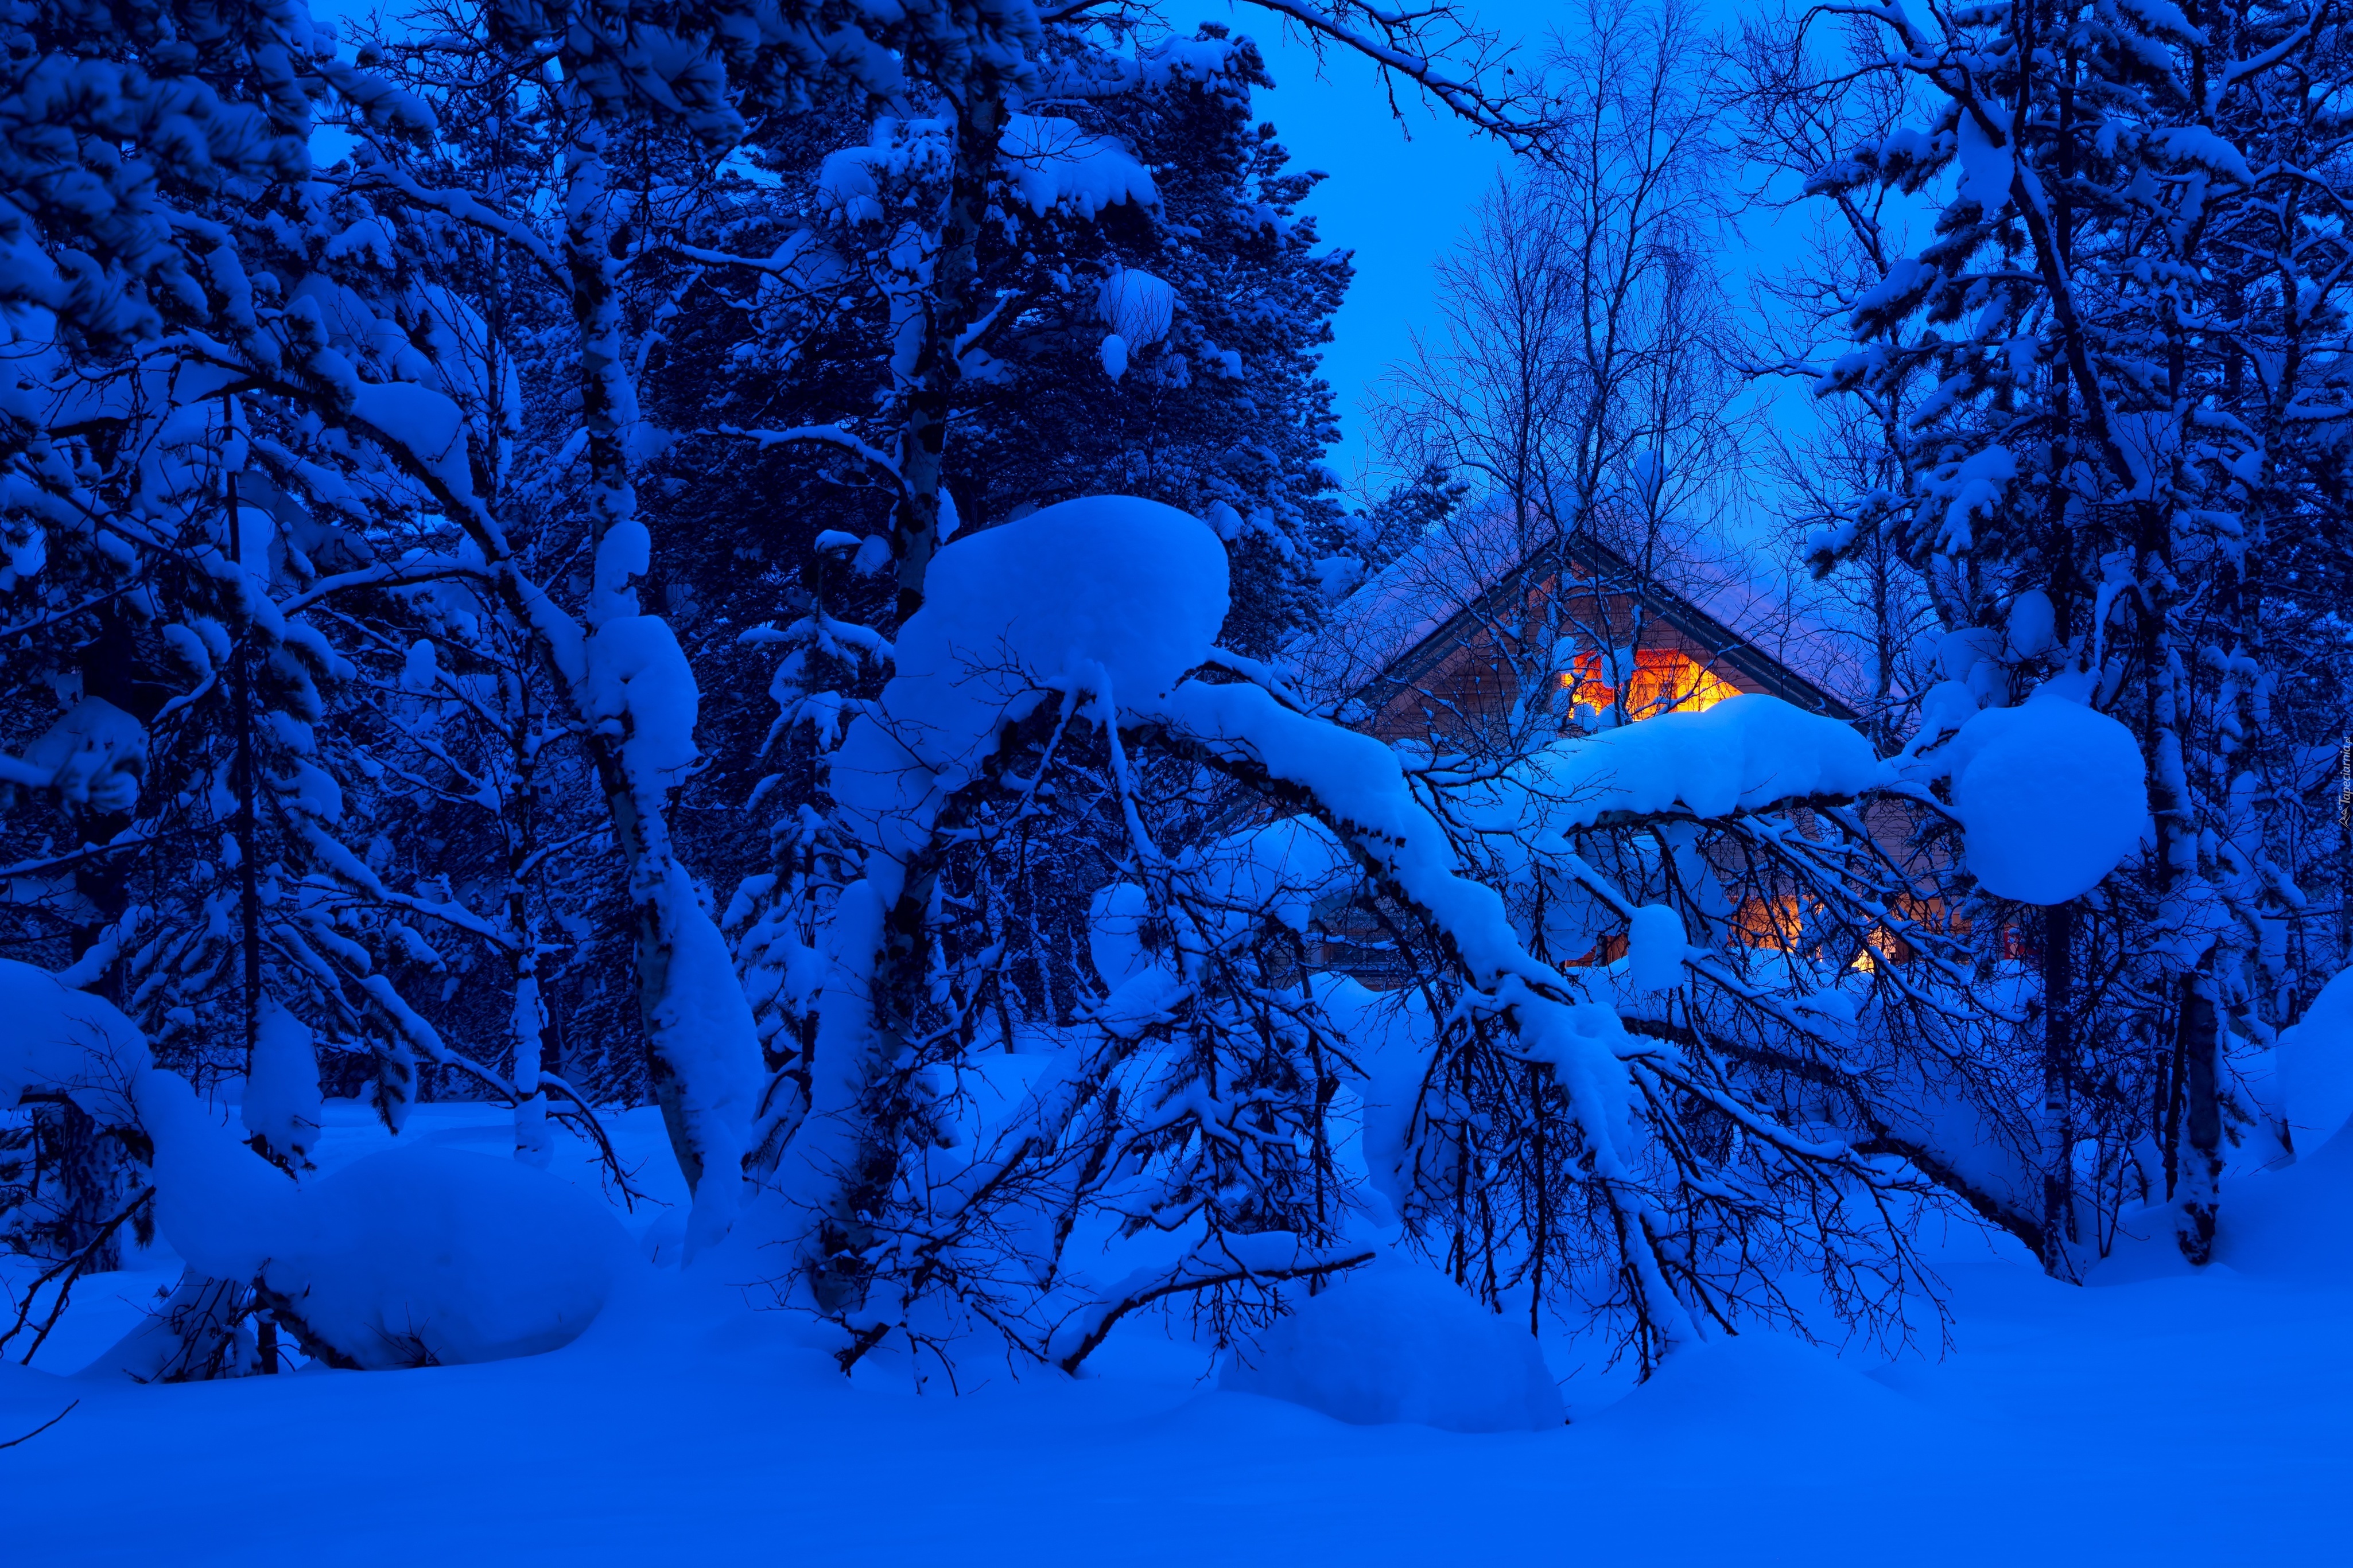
column 932, row 382
column 2201, row 1165
column 249, row 870
column 690, row 1038
column 2058, row 1091
column 899, row 988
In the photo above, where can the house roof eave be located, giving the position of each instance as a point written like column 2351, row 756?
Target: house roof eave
column 1611, row 573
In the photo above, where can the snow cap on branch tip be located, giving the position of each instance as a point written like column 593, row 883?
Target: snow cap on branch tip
column 623, row 556
column 1136, row 305
column 639, row 682
column 1279, row 871
column 1743, row 754
column 1971, row 656
column 1116, row 918
column 2033, row 625
column 1971, row 490
column 95, row 754
column 1055, row 164
column 281, row 1105
column 2052, row 795
column 1987, row 164
column 1106, row 591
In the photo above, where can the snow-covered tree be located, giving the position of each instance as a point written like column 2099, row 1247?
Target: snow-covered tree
column 2110, row 394
column 631, row 359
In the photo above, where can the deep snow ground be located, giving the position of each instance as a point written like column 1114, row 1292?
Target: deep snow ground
column 2149, row 1417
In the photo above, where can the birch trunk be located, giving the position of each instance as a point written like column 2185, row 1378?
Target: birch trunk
column 695, row 1033
column 902, row 964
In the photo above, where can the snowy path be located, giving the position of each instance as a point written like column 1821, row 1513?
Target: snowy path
column 2168, row 1420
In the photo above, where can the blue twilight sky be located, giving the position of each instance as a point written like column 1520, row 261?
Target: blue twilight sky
column 1400, row 193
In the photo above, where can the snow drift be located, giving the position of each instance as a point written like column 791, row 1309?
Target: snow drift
column 1396, row 1340
column 413, row 1258
column 430, row 1257
column 409, row 1259
column 2315, row 1065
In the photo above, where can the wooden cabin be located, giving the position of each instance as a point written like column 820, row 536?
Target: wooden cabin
column 1457, row 667
column 1442, row 650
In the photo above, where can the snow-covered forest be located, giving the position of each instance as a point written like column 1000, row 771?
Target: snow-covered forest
column 718, row 831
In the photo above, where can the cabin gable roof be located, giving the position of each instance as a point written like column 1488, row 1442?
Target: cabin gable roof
column 1605, row 574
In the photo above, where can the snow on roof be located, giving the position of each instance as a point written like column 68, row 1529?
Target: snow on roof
column 1484, row 552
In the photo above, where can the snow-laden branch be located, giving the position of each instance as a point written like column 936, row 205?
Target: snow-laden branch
column 1267, row 1256
column 833, row 436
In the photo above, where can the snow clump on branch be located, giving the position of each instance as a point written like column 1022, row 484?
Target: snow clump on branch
column 1110, row 598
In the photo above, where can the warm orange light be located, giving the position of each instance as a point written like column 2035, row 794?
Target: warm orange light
column 1664, row 682
column 1768, row 923
column 1880, row 946
column 1883, row 946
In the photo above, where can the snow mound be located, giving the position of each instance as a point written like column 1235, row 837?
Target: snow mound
column 432, row 1257
column 55, row 1040
column 2316, row 1064
column 1397, row 1341
column 1755, row 1380
column 28, row 1398
column 2051, row 797
column 2294, row 1224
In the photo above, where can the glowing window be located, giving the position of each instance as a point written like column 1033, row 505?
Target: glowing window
column 1665, row 681
column 1774, row 922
